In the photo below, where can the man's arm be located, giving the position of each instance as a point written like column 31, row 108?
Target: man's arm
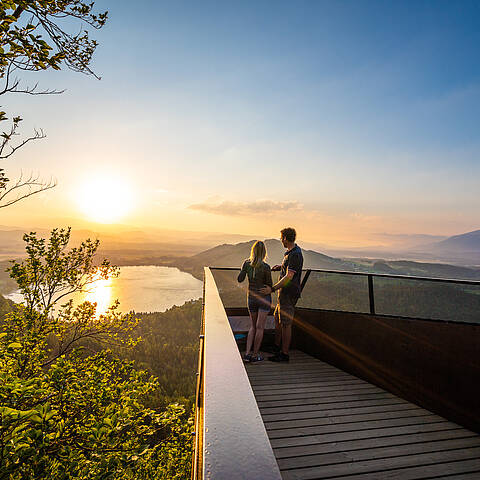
column 281, row 283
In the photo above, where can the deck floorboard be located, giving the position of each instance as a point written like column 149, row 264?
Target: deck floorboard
column 325, row 423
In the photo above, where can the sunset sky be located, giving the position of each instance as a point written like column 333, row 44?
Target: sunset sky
column 344, row 119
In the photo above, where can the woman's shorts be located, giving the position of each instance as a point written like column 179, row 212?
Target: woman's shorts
column 259, row 303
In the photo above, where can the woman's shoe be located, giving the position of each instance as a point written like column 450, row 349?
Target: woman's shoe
column 247, row 358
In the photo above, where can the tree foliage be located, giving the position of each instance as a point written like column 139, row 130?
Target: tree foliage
column 67, row 412
column 24, row 24
column 37, row 35
column 169, row 350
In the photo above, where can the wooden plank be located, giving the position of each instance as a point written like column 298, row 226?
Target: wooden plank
column 328, row 427
column 377, row 453
column 360, row 434
column 366, row 443
column 267, row 365
column 331, row 406
column 319, row 399
column 471, row 468
column 326, row 390
column 261, row 368
column 339, row 412
column 422, row 459
column 461, row 476
column 284, row 371
column 279, row 379
column 288, row 385
column 324, row 423
column 293, row 364
column 336, row 419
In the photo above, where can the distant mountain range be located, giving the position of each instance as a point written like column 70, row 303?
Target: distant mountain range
column 461, row 249
column 465, row 247
column 233, row 255
column 132, row 247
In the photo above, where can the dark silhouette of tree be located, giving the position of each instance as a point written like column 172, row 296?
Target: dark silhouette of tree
column 34, row 36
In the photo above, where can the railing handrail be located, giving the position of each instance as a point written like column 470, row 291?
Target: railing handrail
column 383, row 275
column 235, row 443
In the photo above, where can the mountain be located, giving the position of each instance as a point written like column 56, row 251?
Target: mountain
column 468, row 242
column 227, row 255
column 464, row 248
column 233, row 255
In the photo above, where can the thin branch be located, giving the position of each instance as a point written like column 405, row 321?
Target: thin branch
column 14, row 86
column 33, row 184
column 38, row 135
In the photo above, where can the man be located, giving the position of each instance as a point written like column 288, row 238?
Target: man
column 289, row 286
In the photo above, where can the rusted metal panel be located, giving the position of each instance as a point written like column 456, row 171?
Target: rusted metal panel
column 235, row 443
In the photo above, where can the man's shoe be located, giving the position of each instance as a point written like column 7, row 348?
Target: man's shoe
column 272, row 349
column 280, row 357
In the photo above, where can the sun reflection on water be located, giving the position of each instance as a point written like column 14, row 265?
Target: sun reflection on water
column 100, row 292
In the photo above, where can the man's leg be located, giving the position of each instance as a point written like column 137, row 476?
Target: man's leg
column 278, row 327
column 286, row 337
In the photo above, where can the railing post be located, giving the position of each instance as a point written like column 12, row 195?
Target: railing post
column 304, row 279
column 370, row 295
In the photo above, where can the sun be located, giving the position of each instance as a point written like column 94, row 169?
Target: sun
column 105, row 199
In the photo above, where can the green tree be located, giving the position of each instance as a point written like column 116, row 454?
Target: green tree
column 67, row 412
column 37, row 35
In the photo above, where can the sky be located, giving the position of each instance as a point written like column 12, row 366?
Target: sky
column 344, row 119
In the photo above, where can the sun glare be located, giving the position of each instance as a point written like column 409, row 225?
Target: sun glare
column 100, row 292
column 105, row 200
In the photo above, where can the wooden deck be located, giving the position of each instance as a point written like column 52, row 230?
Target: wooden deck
column 324, row 423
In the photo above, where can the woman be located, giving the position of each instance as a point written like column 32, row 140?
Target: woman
column 259, row 275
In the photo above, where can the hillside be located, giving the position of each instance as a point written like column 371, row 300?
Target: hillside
column 467, row 242
column 228, row 255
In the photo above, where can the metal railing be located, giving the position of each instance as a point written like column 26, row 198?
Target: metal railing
column 231, row 440
column 378, row 294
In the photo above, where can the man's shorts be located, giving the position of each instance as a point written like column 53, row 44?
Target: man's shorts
column 285, row 310
column 259, row 303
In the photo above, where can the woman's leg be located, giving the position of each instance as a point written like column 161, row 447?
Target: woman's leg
column 261, row 320
column 251, row 332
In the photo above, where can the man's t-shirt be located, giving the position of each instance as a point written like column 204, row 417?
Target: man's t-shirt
column 293, row 261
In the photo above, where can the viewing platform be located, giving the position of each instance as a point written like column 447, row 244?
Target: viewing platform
column 383, row 382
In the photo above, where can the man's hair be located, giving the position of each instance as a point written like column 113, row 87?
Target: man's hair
column 289, row 234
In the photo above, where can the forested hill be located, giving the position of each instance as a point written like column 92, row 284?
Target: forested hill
column 168, row 350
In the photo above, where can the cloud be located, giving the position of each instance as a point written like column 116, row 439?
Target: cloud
column 237, row 209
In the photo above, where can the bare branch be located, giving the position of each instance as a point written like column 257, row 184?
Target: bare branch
column 24, row 188
column 13, row 86
column 7, row 137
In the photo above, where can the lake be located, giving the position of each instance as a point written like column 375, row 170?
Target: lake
column 140, row 288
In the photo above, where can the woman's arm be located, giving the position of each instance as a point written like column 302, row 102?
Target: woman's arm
column 243, row 273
